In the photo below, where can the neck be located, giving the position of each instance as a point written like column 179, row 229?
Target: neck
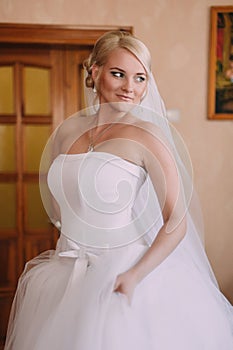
column 111, row 113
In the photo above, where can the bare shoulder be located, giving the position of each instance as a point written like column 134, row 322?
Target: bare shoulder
column 147, row 131
column 70, row 131
column 147, row 126
column 152, row 144
column 76, row 124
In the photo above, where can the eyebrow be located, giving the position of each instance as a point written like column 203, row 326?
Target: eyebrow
column 122, row 70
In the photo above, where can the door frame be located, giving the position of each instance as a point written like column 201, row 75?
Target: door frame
column 54, row 34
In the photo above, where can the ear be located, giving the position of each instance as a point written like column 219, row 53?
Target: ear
column 95, row 72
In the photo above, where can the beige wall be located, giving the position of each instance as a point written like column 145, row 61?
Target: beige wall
column 176, row 31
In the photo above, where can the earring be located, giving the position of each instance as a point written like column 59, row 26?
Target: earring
column 94, row 89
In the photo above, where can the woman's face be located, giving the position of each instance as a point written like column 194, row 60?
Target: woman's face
column 122, row 79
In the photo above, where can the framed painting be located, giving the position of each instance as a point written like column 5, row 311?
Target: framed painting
column 220, row 88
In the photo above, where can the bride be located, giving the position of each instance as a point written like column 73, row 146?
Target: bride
column 129, row 270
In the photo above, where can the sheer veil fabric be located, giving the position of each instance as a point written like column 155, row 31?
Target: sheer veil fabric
column 65, row 297
column 151, row 109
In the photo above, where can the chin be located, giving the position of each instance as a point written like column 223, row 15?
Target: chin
column 122, row 106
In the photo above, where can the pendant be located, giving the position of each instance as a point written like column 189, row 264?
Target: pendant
column 90, row 148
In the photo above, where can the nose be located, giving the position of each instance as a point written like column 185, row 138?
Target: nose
column 127, row 86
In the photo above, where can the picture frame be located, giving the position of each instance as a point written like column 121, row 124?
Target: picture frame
column 220, row 87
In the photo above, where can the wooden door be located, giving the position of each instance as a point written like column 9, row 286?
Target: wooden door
column 38, row 88
column 29, row 107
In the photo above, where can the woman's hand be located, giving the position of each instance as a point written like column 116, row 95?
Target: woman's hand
column 125, row 284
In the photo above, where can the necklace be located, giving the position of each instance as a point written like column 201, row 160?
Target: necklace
column 92, row 141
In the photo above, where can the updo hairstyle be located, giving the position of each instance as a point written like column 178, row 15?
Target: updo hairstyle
column 109, row 42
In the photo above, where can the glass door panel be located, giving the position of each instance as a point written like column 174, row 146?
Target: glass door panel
column 7, row 205
column 6, row 90
column 37, row 91
column 35, row 138
column 36, row 217
column 7, row 147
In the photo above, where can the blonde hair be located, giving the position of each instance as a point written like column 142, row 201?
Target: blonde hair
column 111, row 41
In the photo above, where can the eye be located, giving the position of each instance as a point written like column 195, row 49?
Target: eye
column 140, row 78
column 117, row 74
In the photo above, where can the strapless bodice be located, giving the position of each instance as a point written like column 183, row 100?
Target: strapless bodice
column 96, row 193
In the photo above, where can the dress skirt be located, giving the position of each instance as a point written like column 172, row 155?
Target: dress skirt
column 65, row 301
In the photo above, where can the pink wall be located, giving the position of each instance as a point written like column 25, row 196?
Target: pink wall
column 176, row 31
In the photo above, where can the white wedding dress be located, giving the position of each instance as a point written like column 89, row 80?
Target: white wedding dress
column 65, row 298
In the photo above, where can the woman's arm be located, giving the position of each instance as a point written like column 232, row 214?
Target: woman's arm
column 162, row 169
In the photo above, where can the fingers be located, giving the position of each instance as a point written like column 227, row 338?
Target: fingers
column 119, row 289
column 124, row 295
column 116, row 285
